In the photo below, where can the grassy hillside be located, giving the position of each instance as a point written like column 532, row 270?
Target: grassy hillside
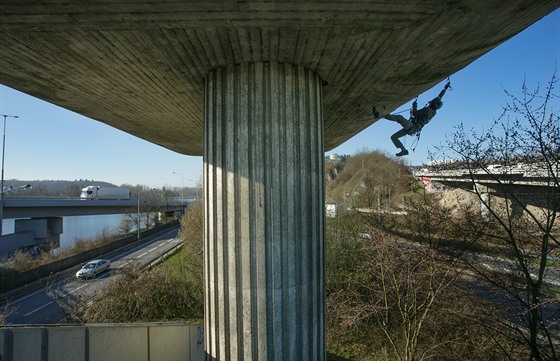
column 368, row 180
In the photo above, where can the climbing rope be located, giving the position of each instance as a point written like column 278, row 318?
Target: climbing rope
column 416, row 141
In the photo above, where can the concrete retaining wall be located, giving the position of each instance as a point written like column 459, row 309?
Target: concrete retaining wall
column 142, row 342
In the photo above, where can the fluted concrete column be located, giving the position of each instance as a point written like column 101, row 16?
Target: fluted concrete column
column 264, row 216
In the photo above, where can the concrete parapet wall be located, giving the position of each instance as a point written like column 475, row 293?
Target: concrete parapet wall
column 143, row 341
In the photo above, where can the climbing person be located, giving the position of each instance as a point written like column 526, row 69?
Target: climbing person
column 418, row 119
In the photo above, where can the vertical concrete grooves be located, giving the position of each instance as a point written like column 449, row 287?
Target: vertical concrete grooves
column 264, row 230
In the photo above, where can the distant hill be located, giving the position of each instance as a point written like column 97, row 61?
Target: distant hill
column 368, row 180
column 50, row 188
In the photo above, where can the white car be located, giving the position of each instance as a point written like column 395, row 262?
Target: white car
column 93, row 268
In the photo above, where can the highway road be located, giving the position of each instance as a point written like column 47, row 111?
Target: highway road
column 47, row 304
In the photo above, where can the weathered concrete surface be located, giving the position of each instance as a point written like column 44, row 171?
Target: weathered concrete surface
column 140, row 341
column 140, row 65
column 264, row 250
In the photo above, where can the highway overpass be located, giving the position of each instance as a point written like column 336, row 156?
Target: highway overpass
column 534, row 177
column 38, row 208
column 40, row 221
column 531, row 184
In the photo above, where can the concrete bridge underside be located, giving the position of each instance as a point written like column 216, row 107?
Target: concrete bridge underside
column 260, row 89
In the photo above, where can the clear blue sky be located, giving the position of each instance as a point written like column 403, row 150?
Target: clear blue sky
column 478, row 91
column 49, row 142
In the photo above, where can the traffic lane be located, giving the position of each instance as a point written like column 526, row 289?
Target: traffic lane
column 138, row 249
column 50, row 312
column 133, row 259
column 51, row 303
column 28, row 308
column 142, row 256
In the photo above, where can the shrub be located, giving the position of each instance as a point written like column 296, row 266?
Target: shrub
column 172, row 292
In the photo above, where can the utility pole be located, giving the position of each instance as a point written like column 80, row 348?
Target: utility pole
column 2, row 181
column 4, row 150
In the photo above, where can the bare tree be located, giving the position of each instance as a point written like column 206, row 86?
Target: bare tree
column 411, row 280
column 72, row 304
column 6, row 311
column 403, row 296
column 149, row 208
column 145, row 215
column 134, row 217
column 125, row 226
column 523, row 143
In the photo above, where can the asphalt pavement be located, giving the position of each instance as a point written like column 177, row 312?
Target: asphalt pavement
column 52, row 302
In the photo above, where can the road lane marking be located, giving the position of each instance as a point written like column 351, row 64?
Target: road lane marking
column 124, row 264
column 144, row 244
column 151, row 250
column 27, row 296
column 69, row 293
column 37, row 309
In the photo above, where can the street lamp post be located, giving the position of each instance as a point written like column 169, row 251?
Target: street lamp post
column 4, row 149
column 2, row 181
column 182, row 197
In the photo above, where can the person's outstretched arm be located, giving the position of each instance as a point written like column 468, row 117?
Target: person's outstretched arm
column 442, row 93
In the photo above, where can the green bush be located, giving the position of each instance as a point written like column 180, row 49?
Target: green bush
column 391, row 299
column 171, row 292
column 152, row 296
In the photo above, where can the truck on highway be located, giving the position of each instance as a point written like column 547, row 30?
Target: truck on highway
column 99, row 192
